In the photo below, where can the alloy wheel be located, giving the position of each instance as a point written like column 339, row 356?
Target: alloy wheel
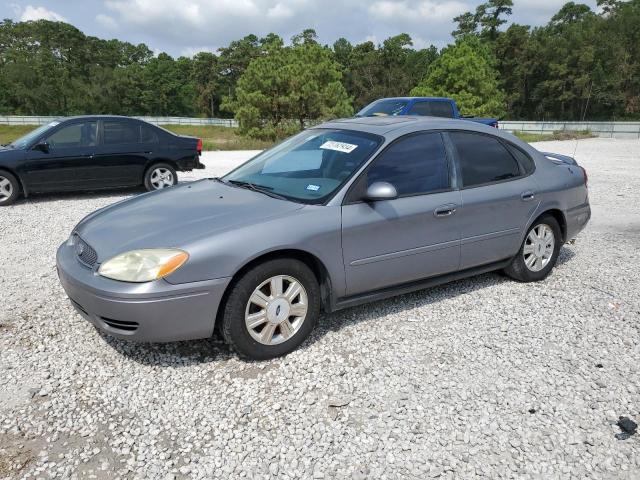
column 161, row 178
column 6, row 189
column 538, row 247
column 276, row 310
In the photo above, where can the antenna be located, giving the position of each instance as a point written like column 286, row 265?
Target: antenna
column 584, row 113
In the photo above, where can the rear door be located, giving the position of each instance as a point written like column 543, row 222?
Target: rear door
column 498, row 198
column 121, row 156
column 67, row 165
column 412, row 237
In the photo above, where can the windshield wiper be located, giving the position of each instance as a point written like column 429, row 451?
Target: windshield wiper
column 258, row 188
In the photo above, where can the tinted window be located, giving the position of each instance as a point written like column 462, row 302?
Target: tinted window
column 414, row 165
column 525, row 161
column 76, row 135
column 433, row 109
column 148, row 135
column 115, row 133
column 383, row 108
column 483, row 159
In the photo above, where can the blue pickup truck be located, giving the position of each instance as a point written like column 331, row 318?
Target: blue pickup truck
column 427, row 106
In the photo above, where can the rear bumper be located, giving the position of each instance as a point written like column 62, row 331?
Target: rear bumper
column 149, row 312
column 577, row 219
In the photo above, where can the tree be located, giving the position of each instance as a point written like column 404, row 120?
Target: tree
column 300, row 82
column 465, row 72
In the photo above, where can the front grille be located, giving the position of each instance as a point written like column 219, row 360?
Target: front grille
column 85, row 252
column 121, row 324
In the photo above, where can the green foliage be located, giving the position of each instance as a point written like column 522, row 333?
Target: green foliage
column 300, row 82
column 464, row 71
column 581, row 64
column 388, row 70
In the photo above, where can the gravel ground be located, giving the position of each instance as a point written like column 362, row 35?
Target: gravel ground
column 479, row 378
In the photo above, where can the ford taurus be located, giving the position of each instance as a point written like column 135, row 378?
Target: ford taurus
column 345, row 213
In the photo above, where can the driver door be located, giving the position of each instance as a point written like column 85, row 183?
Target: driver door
column 67, row 165
column 409, row 238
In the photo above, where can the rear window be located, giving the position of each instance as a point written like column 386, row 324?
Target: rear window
column 148, row 135
column 116, row 133
column 383, row 108
column 523, row 159
column 483, row 159
column 432, row 109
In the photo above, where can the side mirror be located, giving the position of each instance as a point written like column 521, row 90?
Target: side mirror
column 42, row 146
column 381, row 191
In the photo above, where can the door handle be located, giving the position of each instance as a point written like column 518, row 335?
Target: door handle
column 528, row 195
column 444, row 211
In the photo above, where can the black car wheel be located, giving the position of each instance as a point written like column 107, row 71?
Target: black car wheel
column 271, row 309
column 9, row 188
column 539, row 251
column 159, row 176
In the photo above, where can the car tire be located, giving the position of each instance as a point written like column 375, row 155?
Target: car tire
column 9, row 188
column 159, row 176
column 262, row 300
column 539, row 251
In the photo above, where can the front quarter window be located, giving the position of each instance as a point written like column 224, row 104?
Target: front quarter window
column 308, row 167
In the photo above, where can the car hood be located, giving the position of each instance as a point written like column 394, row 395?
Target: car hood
column 176, row 217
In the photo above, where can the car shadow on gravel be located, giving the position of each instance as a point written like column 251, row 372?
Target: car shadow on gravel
column 419, row 299
column 214, row 349
column 172, row 354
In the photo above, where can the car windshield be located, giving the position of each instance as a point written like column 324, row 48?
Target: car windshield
column 33, row 135
column 308, row 167
column 383, row 108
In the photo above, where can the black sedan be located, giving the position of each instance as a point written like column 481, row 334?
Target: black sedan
column 94, row 152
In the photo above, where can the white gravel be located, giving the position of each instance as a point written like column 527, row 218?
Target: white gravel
column 479, row 378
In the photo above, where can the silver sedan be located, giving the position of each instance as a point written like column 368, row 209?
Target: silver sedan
column 341, row 214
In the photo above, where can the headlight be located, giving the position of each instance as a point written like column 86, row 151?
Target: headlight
column 143, row 265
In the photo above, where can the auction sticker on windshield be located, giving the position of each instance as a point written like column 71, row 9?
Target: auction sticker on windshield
column 338, row 146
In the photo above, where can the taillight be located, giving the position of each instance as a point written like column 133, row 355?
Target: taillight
column 586, row 177
column 494, row 125
column 199, row 147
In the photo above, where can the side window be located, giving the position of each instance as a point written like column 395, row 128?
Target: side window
column 483, row 159
column 75, row 135
column 433, row 109
column 148, row 135
column 116, row 133
column 416, row 164
column 526, row 162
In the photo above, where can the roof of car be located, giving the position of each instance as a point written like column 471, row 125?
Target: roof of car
column 413, row 98
column 101, row 117
column 384, row 125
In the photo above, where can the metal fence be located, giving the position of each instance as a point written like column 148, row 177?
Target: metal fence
column 600, row 129
column 41, row 120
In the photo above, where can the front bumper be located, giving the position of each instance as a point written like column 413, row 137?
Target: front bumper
column 147, row 312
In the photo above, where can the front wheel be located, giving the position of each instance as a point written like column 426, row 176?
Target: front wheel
column 159, row 176
column 271, row 309
column 9, row 188
column 539, row 251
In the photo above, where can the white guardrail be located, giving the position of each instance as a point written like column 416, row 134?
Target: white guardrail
column 41, row 120
column 600, row 129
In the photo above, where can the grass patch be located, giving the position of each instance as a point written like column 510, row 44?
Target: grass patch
column 8, row 133
column 213, row 137
column 559, row 135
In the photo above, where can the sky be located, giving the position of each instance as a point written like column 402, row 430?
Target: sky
column 188, row 26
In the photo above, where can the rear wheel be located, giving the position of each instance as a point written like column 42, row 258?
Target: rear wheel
column 9, row 188
column 539, row 251
column 159, row 176
column 271, row 309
